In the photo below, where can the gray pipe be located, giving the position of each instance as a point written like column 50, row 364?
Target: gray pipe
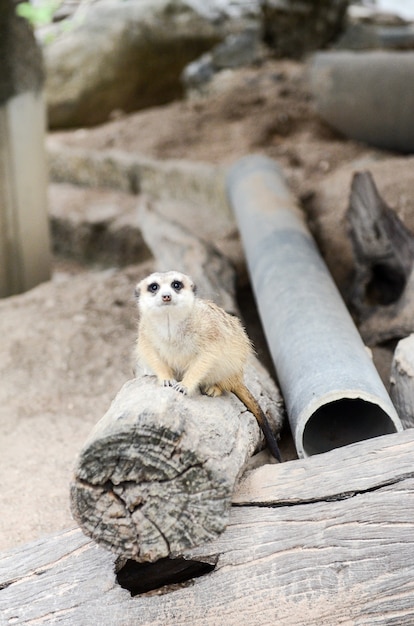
column 368, row 96
column 333, row 393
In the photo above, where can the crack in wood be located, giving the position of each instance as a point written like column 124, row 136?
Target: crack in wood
column 344, row 495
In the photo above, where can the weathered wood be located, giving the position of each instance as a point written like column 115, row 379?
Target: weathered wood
column 357, row 468
column 157, row 473
column 382, row 294
column 402, row 380
column 324, row 562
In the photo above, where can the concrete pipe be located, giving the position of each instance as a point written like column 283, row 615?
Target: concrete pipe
column 367, row 96
column 333, row 393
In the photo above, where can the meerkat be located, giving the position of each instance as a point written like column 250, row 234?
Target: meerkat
column 192, row 344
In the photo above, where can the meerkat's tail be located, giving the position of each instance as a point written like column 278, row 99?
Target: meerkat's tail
column 250, row 402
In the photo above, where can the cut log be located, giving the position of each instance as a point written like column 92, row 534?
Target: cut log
column 317, row 559
column 382, row 295
column 402, row 380
column 157, row 473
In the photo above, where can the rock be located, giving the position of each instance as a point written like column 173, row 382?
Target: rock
column 95, row 197
column 293, row 27
column 96, row 226
column 182, row 182
column 236, row 50
column 122, row 55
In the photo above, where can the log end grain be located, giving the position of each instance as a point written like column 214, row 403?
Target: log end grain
column 149, row 481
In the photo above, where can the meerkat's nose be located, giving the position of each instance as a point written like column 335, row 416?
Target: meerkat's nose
column 166, row 297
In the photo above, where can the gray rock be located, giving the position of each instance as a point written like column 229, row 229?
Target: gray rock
column 198, row 73
column 237, row 50
column 294, row 27
column 123, row 55
column 96, row 226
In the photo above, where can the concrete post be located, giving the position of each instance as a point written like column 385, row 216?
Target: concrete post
column 24, row 230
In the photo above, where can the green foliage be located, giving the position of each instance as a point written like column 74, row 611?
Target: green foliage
column 39, row 14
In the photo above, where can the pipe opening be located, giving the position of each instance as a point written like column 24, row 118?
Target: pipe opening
column 343, row 422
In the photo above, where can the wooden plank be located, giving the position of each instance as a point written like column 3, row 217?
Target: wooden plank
column 337, row 474
column 343, row 562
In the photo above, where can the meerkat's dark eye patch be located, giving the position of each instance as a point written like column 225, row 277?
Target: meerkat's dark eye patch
column 177, row 285
column 153, row 287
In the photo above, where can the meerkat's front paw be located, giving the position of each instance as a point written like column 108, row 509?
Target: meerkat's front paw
column 179, row 387
column 169, row 382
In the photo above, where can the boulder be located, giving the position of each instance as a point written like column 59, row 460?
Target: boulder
column 237, row 50
column 122, row 56
column 98, row 226
column 293, row 28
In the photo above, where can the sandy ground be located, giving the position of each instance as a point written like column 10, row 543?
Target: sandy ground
column 66, row 345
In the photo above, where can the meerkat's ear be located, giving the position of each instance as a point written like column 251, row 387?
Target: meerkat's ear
column 194, row 288
column 137, row 291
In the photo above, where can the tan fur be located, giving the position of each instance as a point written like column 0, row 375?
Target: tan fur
column 192, row 344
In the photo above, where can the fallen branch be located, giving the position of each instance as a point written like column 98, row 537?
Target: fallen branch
column 382, row 295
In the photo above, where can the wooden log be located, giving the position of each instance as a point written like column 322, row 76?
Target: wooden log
column 157, row 473
column 382, row 295
column 327, row 558
column 402, row 380
column 358, row 468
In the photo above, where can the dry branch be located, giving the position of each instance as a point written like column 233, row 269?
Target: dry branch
column 383, row 291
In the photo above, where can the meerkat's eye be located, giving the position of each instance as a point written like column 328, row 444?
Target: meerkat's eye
column 153, row 287
column 177, row 285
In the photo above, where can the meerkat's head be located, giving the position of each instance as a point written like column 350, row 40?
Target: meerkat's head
column 161, row 290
